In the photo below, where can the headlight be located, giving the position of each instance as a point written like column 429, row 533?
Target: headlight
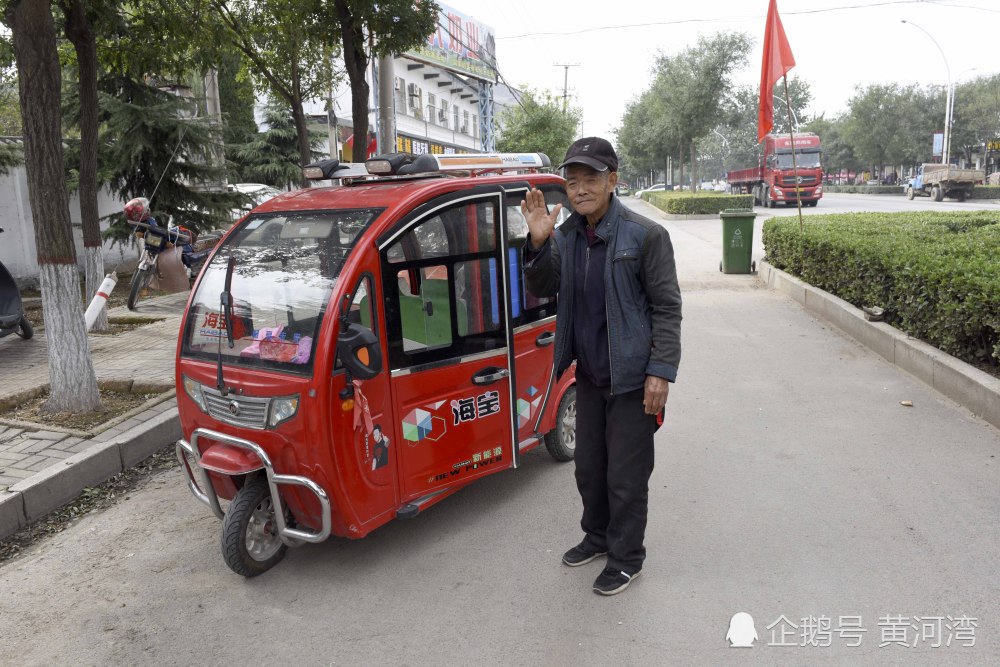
column 153, row 240
column 193, row 390
column 282, row 409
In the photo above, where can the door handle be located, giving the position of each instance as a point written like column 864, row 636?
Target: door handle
column 490, row 375
column 546, row 338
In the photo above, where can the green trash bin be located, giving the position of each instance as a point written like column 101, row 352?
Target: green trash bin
column 737, row 241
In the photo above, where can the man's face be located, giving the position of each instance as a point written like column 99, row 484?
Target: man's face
column 377, row 434
column 589, row 190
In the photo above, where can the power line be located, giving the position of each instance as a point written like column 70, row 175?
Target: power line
column 732, row 19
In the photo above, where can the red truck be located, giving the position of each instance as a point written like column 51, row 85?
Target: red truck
column 774, row 181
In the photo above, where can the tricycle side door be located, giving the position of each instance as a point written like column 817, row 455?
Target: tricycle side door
column 449, row 342
column 533, row 319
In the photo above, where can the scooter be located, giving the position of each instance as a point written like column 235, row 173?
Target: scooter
column 12, row 319
column 155, row 240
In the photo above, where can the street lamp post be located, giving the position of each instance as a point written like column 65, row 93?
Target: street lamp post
column 726, row 142
column 946, row 148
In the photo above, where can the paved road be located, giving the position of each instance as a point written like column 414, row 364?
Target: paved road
column 845, row 203
column 789, row 483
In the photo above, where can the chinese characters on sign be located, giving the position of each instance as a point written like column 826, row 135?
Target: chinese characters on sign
column 469, row 409
column 894, row 630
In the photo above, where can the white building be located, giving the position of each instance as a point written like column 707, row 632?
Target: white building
column 443, row 94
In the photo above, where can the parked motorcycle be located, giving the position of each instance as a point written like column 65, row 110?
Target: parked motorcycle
column 12, row 319
column 157, row 267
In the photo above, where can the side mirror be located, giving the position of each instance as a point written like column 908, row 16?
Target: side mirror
column 359, row 351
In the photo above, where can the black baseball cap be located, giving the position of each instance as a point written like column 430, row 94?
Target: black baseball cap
column 594, row 152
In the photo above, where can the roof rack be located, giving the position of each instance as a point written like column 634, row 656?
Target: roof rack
column 325, row 170
column 403, row 164
column 428, row 164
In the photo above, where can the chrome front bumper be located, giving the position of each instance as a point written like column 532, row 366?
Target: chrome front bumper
column 201, row 485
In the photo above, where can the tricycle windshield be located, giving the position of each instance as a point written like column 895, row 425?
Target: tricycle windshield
column 285, row 267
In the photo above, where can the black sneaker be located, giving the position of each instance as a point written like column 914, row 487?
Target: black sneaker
column 580, row 555
column 613, row 581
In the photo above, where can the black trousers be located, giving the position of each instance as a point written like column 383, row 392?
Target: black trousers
column 614, row 459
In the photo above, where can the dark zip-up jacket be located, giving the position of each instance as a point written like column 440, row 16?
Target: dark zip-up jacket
column 641, row 297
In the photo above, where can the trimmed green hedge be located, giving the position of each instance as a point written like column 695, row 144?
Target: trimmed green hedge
column 937, row 275
column 697, row 203
column 866, row 189
column 985, row 192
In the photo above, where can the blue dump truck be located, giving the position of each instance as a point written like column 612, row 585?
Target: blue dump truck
column 943, row 180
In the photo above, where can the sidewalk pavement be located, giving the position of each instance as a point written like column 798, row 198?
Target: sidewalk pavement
column 41, row 470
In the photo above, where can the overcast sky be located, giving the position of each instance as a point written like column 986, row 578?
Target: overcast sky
column 838, row 44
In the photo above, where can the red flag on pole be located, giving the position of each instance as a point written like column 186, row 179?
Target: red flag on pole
column 778, row 59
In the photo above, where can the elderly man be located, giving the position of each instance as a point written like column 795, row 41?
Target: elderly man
column 619, row 317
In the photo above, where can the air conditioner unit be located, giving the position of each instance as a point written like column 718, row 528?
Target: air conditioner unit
column 442, row 115
column 465, row 129
column 413, row 89
column 398, row 84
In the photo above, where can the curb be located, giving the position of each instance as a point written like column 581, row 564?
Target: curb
column 111, row 453
column 968, row 386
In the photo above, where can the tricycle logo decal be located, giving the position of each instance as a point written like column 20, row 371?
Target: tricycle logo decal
column 470, row 409
column 420, row 424
column 526, row 406
column 478, row 460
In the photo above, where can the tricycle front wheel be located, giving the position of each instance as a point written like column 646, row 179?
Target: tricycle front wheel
column 250, row 541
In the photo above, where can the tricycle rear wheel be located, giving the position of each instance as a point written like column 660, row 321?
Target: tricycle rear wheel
column 561, row 441
column 250, row 541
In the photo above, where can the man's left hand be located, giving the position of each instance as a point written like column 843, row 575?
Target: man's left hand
column 655, row 394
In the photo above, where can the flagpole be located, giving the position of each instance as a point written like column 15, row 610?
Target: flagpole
column 791, row 135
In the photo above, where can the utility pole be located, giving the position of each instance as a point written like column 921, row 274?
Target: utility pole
column 565, row 67
column 387, row 112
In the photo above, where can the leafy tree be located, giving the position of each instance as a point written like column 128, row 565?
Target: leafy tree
column 685, row 102
column 837, row 152
column 890, row 124
column 147, row 141
column 237, row 101
column 977, row 113
column 272, row 156
column 538, row 125
column 73, row 383
column 692, row 85
column 293, row 63
column 373, row 28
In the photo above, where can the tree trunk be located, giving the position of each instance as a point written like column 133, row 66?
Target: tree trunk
column 694, row 166
column 680, row 163
column 73, row 384
column 356, row 63
column 81, row 34
column 302, row 130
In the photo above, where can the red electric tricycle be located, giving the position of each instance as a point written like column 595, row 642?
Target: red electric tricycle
column 357, row 353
